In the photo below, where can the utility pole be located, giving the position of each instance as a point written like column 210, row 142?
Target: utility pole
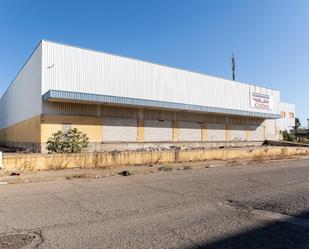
column 233, row 66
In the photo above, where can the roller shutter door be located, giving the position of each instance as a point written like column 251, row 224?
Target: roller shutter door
column 189, row 131
column 216, row 132
column 238, row 132
column 156, row 131
column 256, row 133
column 119, row 130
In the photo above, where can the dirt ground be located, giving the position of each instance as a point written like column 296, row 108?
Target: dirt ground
column 15, row 177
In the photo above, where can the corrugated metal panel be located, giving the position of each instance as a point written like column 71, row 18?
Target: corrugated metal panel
column 256, row 133
column 85, row 71
column 189, row 131
column 70, row 109
column 238, row 132
column 23, row 98
column 158, row 131
column 216, row 132
column 119, row 130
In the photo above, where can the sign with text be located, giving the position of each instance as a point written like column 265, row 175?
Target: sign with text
column 261, row 101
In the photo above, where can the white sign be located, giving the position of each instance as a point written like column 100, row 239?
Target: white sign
column 261, row 101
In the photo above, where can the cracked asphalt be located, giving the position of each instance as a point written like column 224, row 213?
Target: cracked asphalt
column 201, row 208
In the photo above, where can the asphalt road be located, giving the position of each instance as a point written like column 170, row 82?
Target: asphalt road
column 261, row 206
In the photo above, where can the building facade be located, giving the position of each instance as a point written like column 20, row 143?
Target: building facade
column 123, row 103
column 287, row 117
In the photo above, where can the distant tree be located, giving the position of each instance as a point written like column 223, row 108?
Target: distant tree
column 296, row 127
column 70, row 141
column 297, row 124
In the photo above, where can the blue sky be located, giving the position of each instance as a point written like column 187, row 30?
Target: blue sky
column 270, row 37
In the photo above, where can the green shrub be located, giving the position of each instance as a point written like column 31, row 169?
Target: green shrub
column 287, row 136
column 70, row 141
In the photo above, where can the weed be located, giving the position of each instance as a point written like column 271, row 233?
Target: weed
column 165, row 168
column 77, row 176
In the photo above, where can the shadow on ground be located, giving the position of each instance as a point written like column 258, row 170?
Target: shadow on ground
column 277, row 235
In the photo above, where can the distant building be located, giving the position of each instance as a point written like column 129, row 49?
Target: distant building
column 287, row 118
column 123, row 103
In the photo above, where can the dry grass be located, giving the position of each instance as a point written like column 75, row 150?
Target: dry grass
column 58, row 162
column 260, row 156
column 27, row 165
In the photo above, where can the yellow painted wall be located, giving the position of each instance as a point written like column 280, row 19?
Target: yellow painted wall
column 247, row 133
column 228, row 133
column 204, row 132
column 27, row 131
column 92, row 126
column 175, row 131
column 140, row 130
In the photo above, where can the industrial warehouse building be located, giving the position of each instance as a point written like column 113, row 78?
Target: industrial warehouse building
column 123, row 103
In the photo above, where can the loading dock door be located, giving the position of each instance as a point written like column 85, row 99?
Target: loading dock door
column 216, row 132
column 158, row 131
column 189, row 131
column 119, row 130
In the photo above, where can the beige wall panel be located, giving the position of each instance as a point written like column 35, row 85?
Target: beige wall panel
column 92, row 126
column 48, row 129
column 27, row 131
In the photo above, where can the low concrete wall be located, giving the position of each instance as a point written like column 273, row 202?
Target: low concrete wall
column 125, row 146
column 102, row 147
column 29, row 162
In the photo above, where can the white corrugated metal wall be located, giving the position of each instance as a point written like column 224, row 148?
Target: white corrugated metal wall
column 23, row 98
column 81, row 70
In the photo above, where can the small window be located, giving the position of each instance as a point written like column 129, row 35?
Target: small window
column 291, row 115
column 66, row 126
column 282, row 114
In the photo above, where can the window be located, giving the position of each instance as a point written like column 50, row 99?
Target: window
column 282, row 114
column 291, row 115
